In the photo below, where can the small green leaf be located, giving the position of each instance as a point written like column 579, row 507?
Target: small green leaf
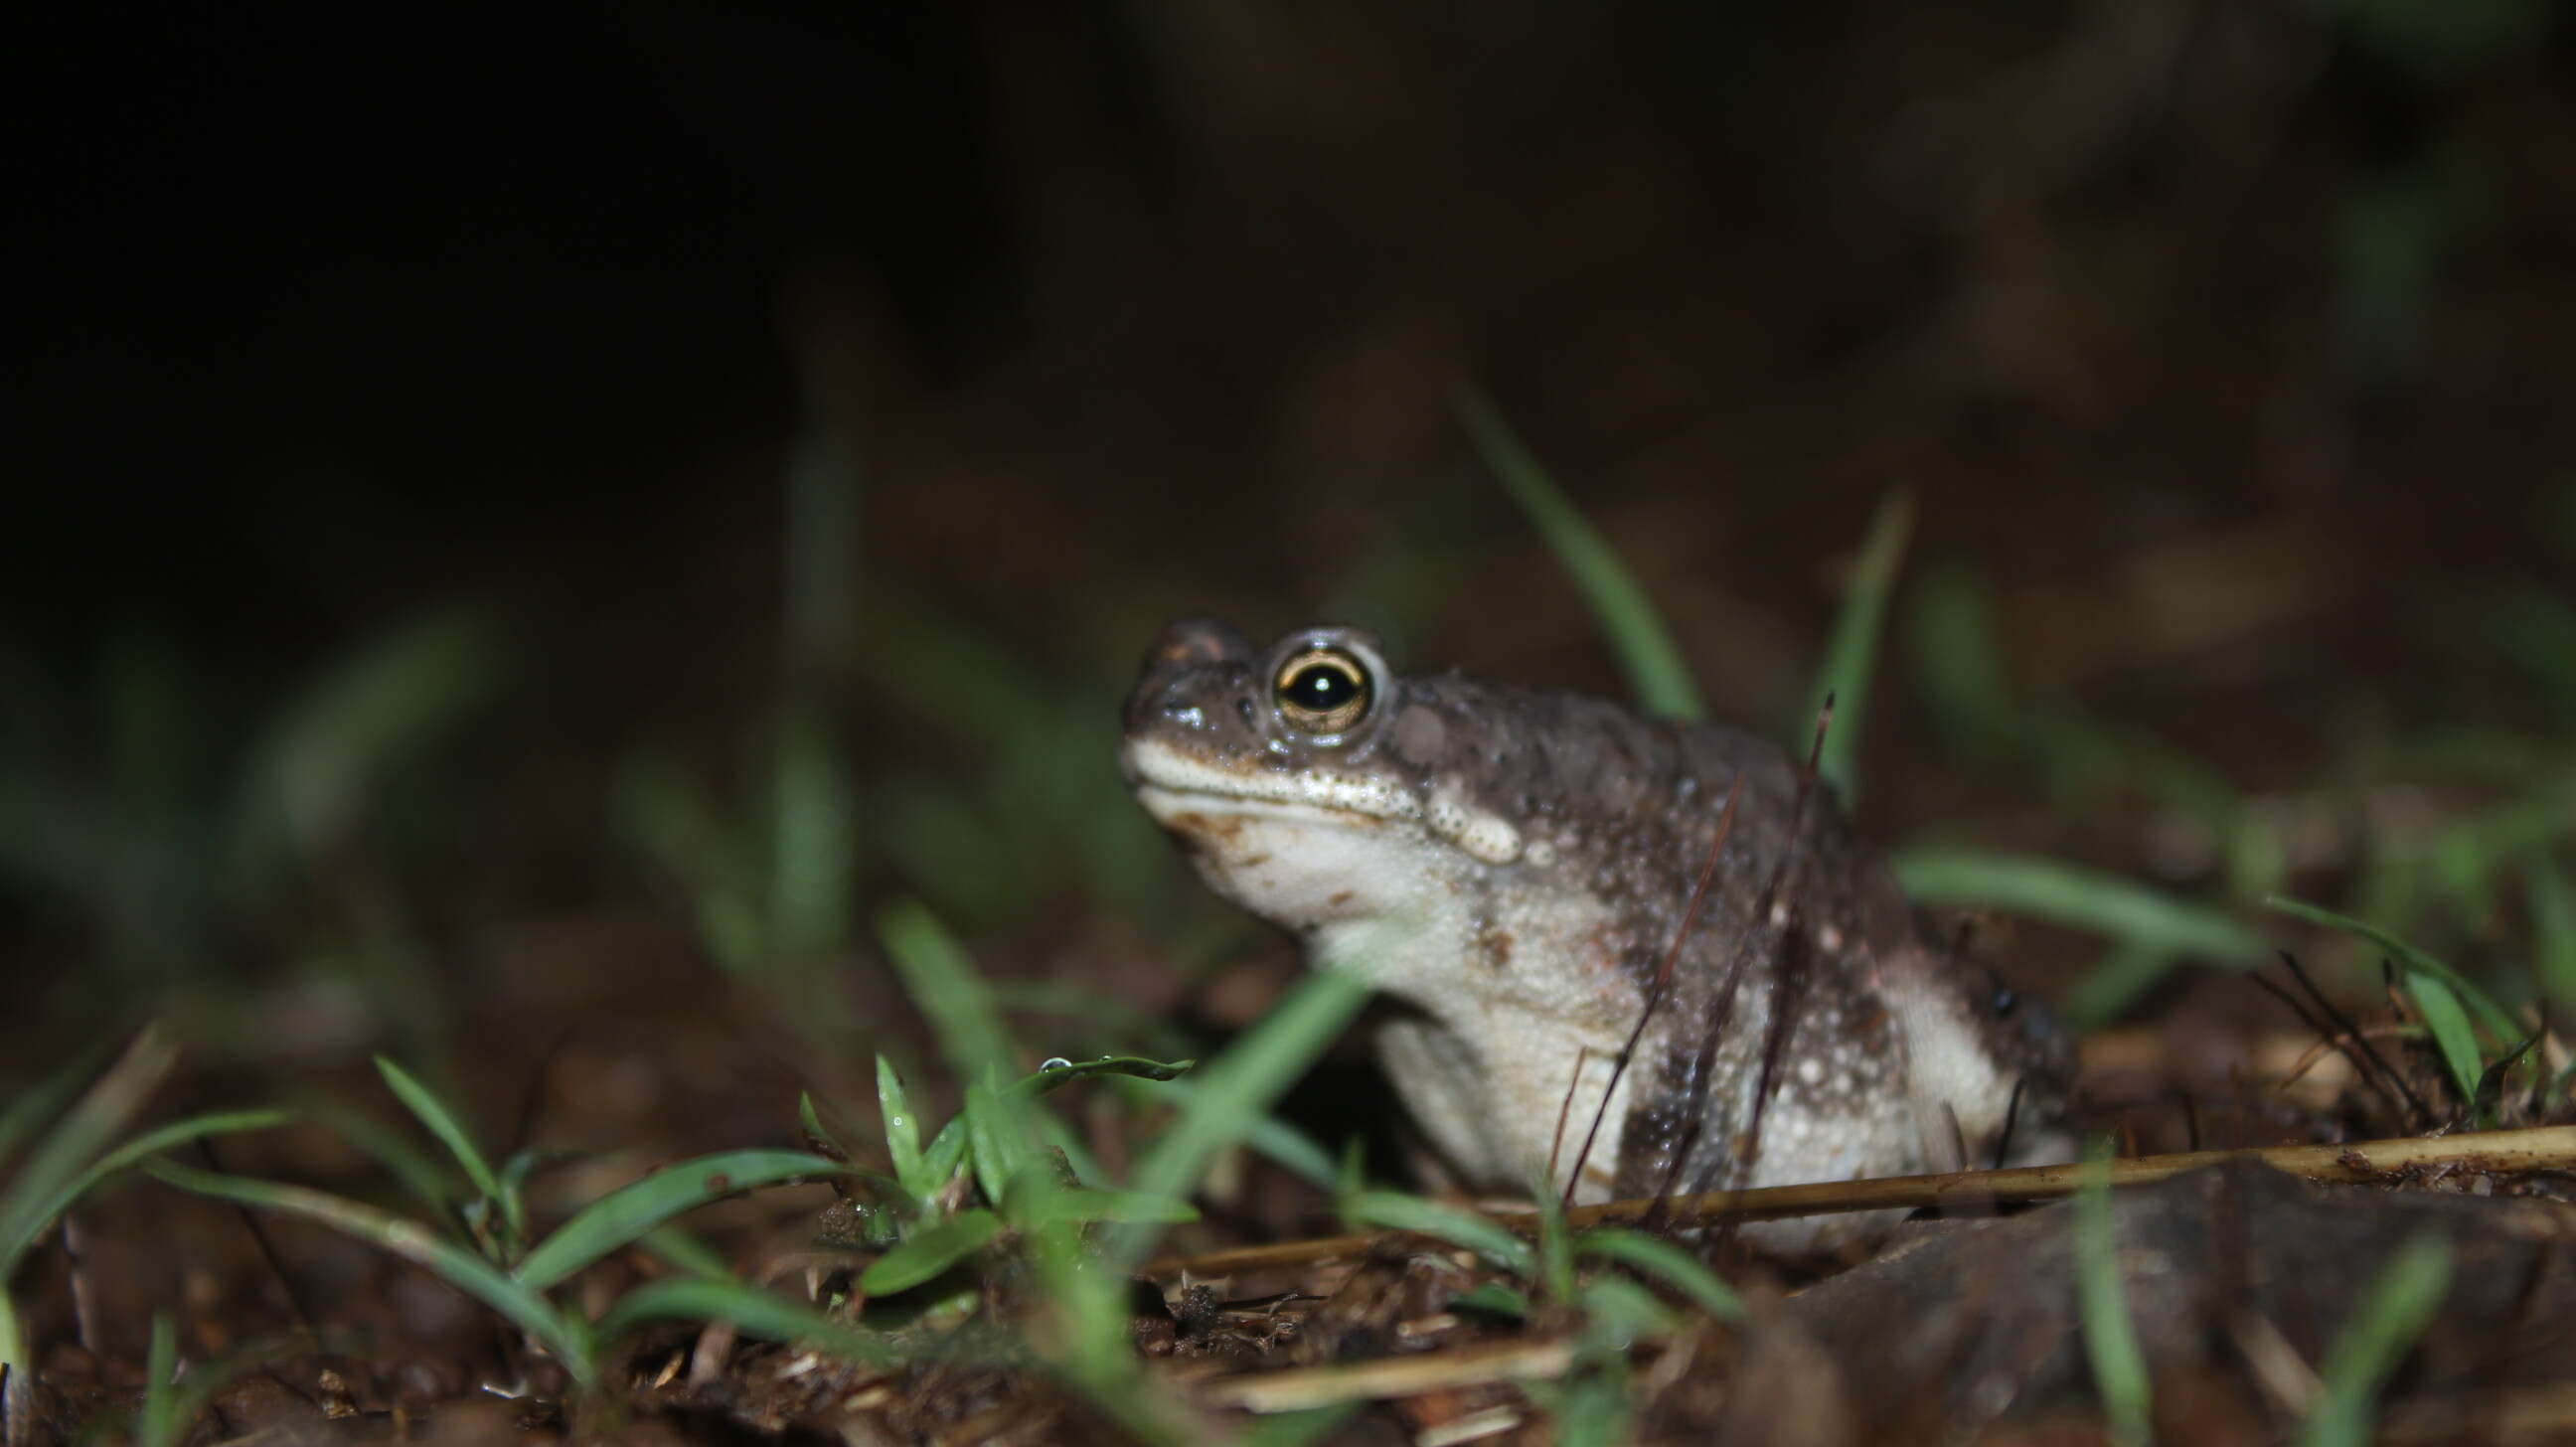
column 433, row 1113
column 1396, row 1212
column 902, row 1131
column 1666, row 1262
column 997, row 1140
column 2452, row 1036
column 1043, row 1081
column 947, row 1151
column 930, row 1251
column 626, row 1214
column 1493, row 1299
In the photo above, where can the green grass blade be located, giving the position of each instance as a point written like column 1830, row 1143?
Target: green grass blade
column 947, row 1152
column 1851, row 654
column 1134, row 1067
column 1959, row 664
column 930, row 1251
column 152, row 1142
column 2500, row 1024
column 997, row 1140
column 902, row 1131
column 1654, row 666
column 2553, row 929
column 948, row 988
column 748, row 1309
column 2448, row 1024
column 157, row 1424
column 1493, row 1298
column 813, row 847
column 441, row 1122
column 1394, row 1211
column 46, row 1098
column 65, row 1150
column 1666, row 1262
column 1233, row 1092
column 413, row 1242
column 2084, row 898
column 2384, row 1325
column 624, row 1215
column 2110, row 1337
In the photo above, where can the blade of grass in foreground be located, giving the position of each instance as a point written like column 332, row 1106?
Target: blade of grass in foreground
column 2110, row 1337
column 1234, row 1091
column 1668, row 1263
column 1394, row 1211
column 410, row 1240
column 628, row 1213
column 1852, row 653
column 1656, row 673
column 2383, row 1326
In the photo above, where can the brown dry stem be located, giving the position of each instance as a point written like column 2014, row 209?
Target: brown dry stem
column 2533, row 1149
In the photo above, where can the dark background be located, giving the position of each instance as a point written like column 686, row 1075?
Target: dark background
column 2223, row 347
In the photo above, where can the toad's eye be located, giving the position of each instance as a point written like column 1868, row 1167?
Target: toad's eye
column 1322, row 691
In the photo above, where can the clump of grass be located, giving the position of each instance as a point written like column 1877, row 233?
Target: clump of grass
column 481, row 1243
column 61, row 1154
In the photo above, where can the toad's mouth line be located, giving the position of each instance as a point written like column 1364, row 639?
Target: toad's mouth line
column 1170, row 807
column 1170, row 782
column 1167, row 780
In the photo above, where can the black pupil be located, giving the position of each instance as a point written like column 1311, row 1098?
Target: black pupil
column 1322, row 688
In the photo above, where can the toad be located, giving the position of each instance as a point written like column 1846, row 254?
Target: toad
column 1513, row 867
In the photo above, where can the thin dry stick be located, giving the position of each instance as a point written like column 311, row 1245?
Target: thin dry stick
column 1300, row 1388
column 2345, row 1025
column 1655, row 995
column 1724, row 1010
column 2502, row 1151
column 1565, row 1107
